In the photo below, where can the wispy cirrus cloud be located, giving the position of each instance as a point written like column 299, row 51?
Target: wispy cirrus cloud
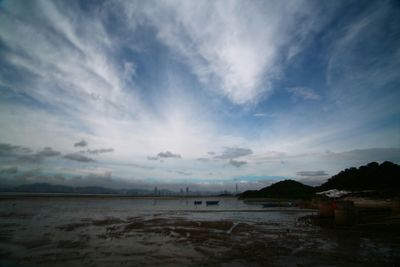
column 88, row 80
column 303, row 93
column 221, row 41
column 135, row 78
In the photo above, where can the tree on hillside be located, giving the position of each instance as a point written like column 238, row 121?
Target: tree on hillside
column 373, row 176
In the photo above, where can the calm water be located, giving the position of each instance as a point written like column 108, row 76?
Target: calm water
column 71, row 209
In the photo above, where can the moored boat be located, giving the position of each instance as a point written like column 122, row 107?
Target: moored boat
column 197, row 202
column 212, row 202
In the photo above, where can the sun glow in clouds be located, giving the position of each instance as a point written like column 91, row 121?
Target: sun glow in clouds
column 206, row 94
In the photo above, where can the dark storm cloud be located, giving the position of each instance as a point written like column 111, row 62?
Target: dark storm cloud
column 47, row 152
column 312, row 173
column 237, row 163
column 10, row 170
column 82, row 143
column 100, row 150
column 6, row 149
column 78, row 157
column 11, row 150
column 234, row 152
column 25, row 154
column 168, row 154
column 39, row 156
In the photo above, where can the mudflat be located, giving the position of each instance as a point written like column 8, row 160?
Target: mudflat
column 136, row 232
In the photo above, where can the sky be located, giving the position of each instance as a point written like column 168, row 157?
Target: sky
column 205, row 94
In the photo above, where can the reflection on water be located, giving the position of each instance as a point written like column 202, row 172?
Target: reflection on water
column 76, row 208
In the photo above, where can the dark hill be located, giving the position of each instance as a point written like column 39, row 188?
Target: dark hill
column 383, row 179
column 373, row 176
column 284, row 189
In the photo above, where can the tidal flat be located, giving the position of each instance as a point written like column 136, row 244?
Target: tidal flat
column 117, row 231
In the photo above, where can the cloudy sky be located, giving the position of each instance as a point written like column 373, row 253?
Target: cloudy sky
column 200, row 93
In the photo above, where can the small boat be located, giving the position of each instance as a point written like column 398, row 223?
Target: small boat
column 196, row 202
column 212, row 202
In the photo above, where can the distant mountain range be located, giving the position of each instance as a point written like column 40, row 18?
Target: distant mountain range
column 383, row 179
column 50, row 188
column 62, row 189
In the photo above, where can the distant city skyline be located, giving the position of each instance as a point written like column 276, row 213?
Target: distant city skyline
column 206, row 95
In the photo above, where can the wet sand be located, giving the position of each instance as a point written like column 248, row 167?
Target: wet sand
column 70, row 232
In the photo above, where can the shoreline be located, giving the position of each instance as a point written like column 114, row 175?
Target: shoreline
column 16, row 195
